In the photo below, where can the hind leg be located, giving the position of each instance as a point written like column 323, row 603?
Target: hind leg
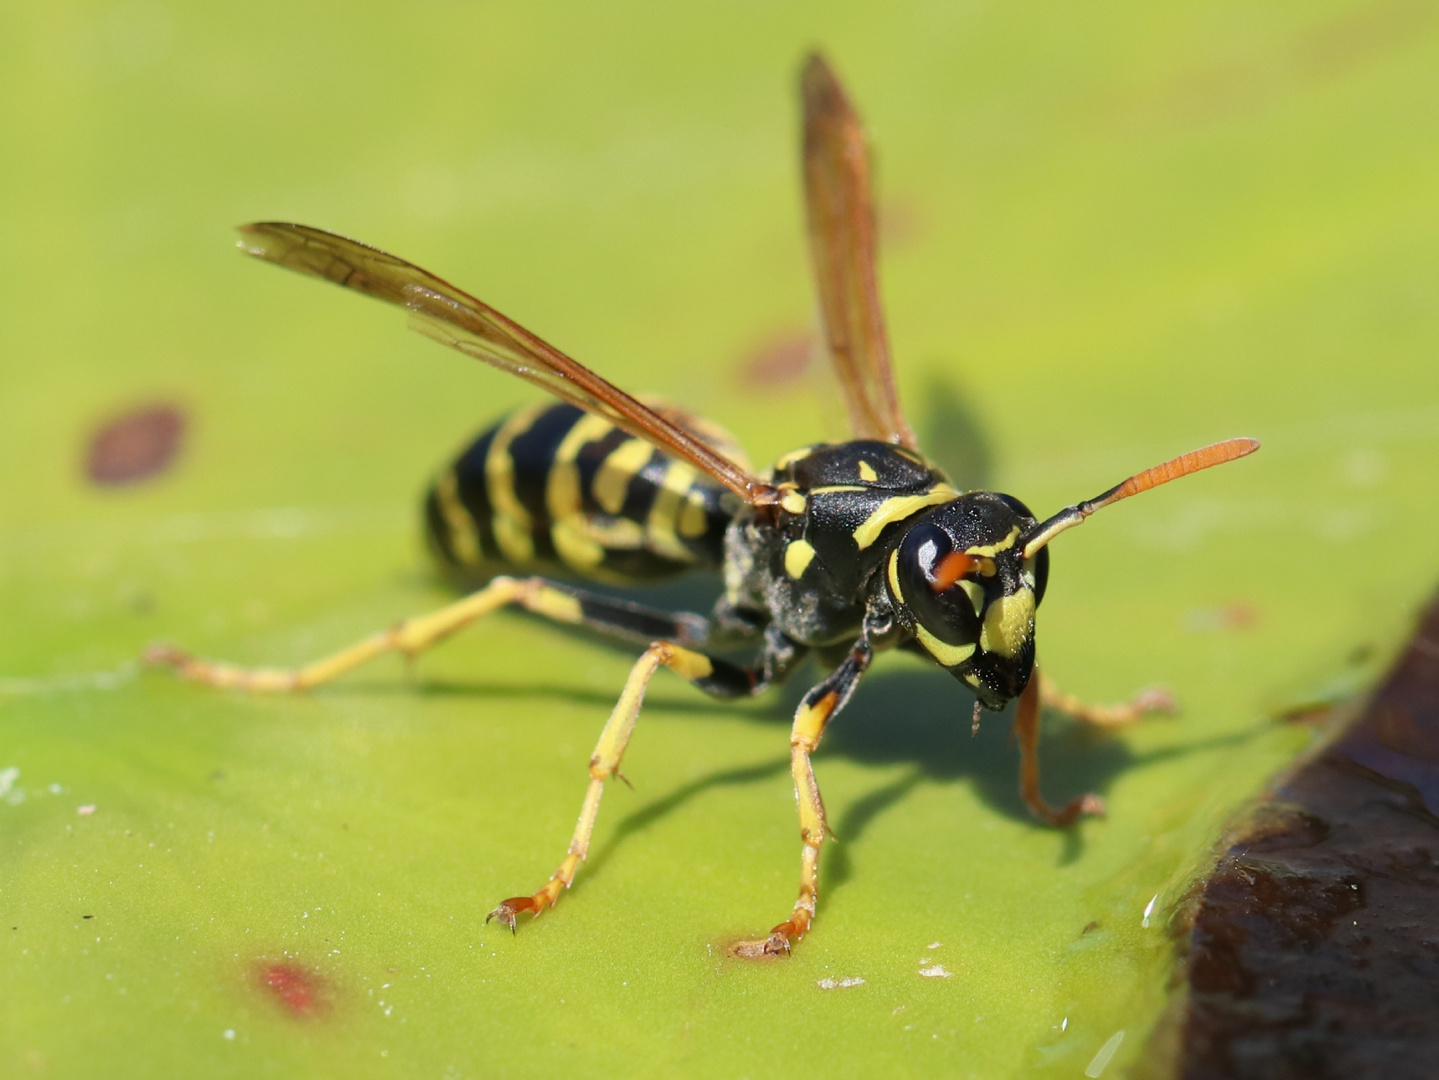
column 414, row 635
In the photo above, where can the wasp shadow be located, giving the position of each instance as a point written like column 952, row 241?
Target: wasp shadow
column 953, row 435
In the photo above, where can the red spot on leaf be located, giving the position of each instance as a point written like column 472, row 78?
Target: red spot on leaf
column 136, row 445
column 300, row 991
column 780, row 358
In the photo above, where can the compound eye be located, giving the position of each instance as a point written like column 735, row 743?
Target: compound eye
column 1041, row 573
column 930, row 572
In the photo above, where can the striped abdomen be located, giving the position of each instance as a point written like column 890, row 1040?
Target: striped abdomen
column 554, row 489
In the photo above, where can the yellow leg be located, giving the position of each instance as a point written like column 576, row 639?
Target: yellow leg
column 810, row 719
column 605, row 763
column 410, row 637
column 1026, row 728
column 1149, row 700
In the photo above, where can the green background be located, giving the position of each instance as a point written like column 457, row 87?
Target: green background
column 1116, row 231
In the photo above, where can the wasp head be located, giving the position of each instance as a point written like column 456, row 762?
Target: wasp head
column 962, row 584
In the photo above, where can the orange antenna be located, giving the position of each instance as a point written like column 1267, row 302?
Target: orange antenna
column 1183, row 465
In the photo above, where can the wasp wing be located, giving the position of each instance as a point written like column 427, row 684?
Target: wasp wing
column 441, row 311
column 842, row 245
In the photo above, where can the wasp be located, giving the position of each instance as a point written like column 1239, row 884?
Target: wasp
column 839, row 550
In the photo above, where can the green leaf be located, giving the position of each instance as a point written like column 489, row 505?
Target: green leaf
column 1118, row 231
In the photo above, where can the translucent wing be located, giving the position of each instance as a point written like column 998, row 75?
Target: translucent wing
column 841, row 237
column 443, row 312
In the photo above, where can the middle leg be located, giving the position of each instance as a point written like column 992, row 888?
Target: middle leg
column 814, row 713
column 710, row 674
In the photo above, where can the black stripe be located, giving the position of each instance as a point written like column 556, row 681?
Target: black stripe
column 437, row 529
column 473, row 491
column 591, row 456
column 533, row 453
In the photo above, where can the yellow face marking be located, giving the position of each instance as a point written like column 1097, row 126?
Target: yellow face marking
column 866, row 471
column 797, row 557
column 512, row 522
column 892, row 572
column 897, row 509
column 664, row 513
column 975, row 591
column 992, row 550
column 460, row 527
column 612, row 478
column 947, row 654
column 1008, row 624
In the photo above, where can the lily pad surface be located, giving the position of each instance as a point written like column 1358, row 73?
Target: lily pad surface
column 1112, row 232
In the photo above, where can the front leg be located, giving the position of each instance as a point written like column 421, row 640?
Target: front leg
column 814, row 713
column 1026, row 728
column 1152, row 699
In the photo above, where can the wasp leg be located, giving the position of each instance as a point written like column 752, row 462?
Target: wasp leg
column 712, row 675
column 1026, row 727
column 1149, row 700
column 414, row 635
column 814, row 713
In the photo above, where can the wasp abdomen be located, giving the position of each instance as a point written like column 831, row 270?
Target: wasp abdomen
column 552, row 488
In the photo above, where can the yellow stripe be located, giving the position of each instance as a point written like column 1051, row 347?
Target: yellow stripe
column 573, row 541
column 693, row 518
column 512, row 522
column 464, row 537
column 1008, row 623
column 664, row 514
column 897, row 509
column 792, row 457
column 792, row 502
column 947, row 654
column 612, row 479
column 797, row 557
column 893, row 573
column 994, row 549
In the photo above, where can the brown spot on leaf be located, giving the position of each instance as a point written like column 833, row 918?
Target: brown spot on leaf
column 137, row 445
column 780, row 359
column 1360, row 35
column 1237, row 615
column 1314, row 946
column 302, row 992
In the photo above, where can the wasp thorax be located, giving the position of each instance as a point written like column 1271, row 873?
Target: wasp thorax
column 964, row 588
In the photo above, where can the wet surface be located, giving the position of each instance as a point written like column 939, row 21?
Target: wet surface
column 1315, row 945
column 137, row 445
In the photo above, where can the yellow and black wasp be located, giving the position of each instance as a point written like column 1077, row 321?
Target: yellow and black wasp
column 838, row 550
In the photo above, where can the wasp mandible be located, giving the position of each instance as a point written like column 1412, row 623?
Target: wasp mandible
column 838, row 550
